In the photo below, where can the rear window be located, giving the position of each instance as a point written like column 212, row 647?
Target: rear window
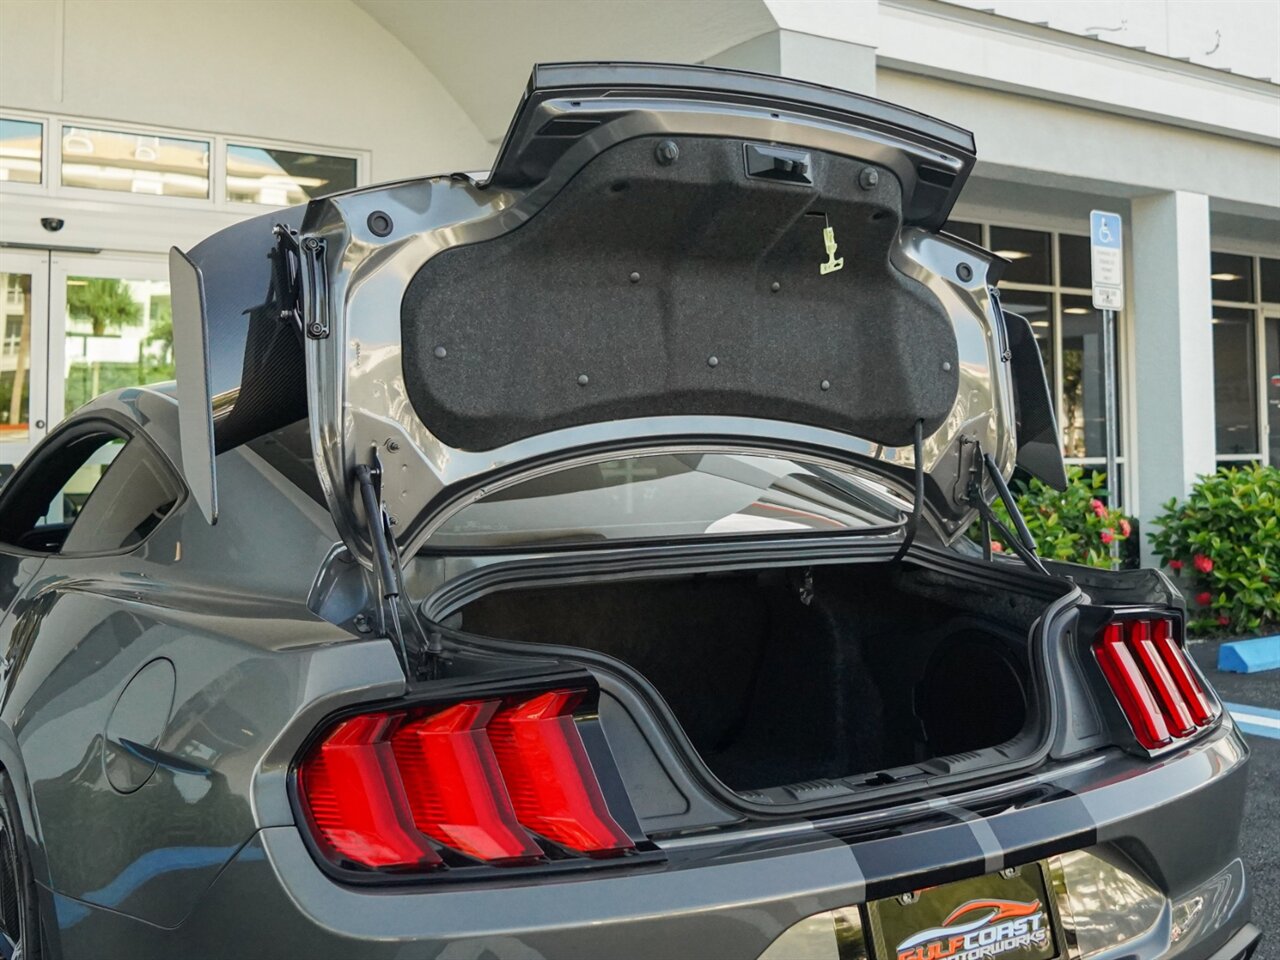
column 670, row 496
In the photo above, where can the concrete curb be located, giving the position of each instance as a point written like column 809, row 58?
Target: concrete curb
column 1250, row 656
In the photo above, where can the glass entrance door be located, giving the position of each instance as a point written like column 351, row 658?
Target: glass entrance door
column 24, row 328
column 74, row 327
column 111, row 327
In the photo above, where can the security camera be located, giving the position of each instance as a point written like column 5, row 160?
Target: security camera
column 52, row 224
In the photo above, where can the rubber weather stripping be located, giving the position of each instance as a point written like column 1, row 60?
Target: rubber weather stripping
column 913, row 521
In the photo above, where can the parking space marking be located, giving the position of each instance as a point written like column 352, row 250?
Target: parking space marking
column 1258, row 721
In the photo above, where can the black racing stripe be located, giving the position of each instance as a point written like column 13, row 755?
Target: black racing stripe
column 1054, row 824
column 922, row 857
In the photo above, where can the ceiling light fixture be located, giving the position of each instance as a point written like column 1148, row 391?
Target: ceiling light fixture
column 1012, row 254
column 1225, row 276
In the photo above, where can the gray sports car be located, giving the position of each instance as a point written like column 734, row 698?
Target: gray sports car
column 574, row 563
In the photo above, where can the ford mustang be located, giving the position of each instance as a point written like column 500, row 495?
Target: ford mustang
column 580, row 561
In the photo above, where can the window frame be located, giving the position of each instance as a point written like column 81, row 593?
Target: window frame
column 102, row 422
column 53, row 125
column 1260, row 310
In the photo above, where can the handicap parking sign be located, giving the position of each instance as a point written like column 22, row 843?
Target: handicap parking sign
column 1107, row 259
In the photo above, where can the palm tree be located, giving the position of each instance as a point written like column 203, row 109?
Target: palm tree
column 105, row 302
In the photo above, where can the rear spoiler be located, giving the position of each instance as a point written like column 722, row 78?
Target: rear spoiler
column 566, row 103
column 237, row 348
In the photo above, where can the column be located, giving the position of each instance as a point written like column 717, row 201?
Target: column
column 1173, row 349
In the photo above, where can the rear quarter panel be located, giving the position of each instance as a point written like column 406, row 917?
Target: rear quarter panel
column 227, row 606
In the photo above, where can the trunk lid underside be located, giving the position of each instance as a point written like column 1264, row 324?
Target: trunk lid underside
column 662, row 255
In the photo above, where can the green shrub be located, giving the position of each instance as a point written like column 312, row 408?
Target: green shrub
column 1224, row 541
column 1075, row 525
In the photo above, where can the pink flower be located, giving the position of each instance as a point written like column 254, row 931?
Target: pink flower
column 1125, row 529
column 1099, row 510
column 1106, row 535
column 1204, row 598
column 996, row 547
column 1202, row 563
column 1224, row 621
column 1175, row 565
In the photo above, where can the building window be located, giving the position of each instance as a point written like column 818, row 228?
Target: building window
column 1048, row 282
column 1232, row 277
column 1246, row 356
column 284, row 177
column 139, row 163
column 21, row 151
column 151, row 164
column 1084, row 422
column 1235, row 395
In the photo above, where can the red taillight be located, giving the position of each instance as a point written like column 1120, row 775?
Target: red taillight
column 1176, row 714
column 1152, row 681
column 1176, row 662
column 353, row 793
column 553, row 788
column 477, row 777
column 454, row 788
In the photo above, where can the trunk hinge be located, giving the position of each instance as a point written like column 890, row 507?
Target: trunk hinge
column 1022, row 543
column 390, row 577
column 913, row 521
column 300, row 276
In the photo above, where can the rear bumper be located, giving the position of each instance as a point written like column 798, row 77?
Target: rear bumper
column 1241, row 946
column 1175, row 821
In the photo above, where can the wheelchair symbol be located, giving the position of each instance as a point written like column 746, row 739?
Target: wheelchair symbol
column 1104, row 231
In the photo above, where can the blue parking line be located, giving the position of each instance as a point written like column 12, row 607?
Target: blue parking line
column 1256, row 721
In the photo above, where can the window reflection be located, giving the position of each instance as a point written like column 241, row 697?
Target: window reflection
column 135, row 163
column 70, row 500
column 119, row 334
column 1028, row 252
column 15, row 357
column 1234, row 381
column 21, row 148
column 1084, row 424
column 1232, row 277
column 965, row 231
column 283, row 177
column 671, row 495
column 1075, row 266
column 1038, row 309
column 1270, row 270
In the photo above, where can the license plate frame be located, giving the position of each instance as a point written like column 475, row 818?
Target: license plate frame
column 913, row 926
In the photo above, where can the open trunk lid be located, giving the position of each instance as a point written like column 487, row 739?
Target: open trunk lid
column 662, row 256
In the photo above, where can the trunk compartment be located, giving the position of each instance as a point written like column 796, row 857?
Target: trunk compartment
column 863, row 674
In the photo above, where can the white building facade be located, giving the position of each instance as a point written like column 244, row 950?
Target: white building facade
column 129, row 126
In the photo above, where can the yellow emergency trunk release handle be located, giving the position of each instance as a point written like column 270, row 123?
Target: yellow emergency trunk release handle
column 833, row 263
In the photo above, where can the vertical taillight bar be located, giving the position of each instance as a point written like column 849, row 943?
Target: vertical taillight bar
column 454, row 787
column 356, row 803
column 1130, row 688
column 1175, row 659
column 553, row 788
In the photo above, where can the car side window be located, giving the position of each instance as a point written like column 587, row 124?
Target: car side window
column 134, row 494
column 89, row 490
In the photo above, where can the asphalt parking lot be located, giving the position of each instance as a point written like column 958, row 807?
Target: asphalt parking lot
column 1260, row 841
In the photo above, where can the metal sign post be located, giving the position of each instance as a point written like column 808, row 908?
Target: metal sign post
column 1106, row 255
